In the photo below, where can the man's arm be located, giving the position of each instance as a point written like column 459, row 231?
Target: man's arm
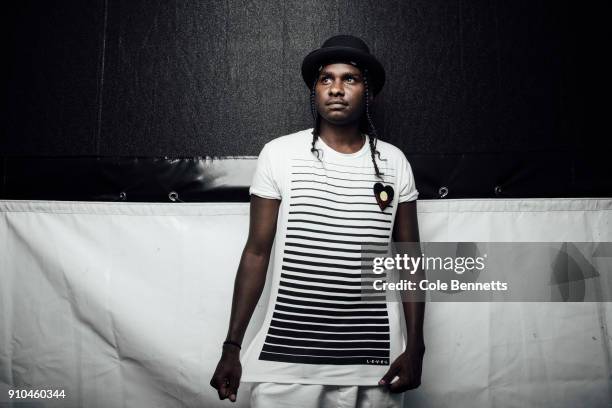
column 248, row 285
column 408, row 365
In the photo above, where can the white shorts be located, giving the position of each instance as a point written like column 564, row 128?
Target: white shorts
column 276, row 395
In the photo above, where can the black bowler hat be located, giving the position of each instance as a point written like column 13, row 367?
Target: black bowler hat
column 344, row 48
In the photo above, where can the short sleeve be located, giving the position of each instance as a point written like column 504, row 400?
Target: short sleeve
column 407, row 187
column 264, row 182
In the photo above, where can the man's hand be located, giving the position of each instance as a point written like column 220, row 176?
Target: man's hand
column 248, row 285
column 407, row 366
column 226, row 378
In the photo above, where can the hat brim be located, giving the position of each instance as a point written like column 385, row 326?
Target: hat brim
column 317, row 58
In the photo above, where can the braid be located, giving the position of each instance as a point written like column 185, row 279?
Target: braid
column 373, row 133
column 315, row 116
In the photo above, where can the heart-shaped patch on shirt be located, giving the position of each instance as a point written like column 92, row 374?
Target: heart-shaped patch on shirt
column 383, row 194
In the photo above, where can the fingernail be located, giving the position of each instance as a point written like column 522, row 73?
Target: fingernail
column 381, row 382
column 233, row 397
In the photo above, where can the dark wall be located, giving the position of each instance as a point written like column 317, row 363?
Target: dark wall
column 469, row 82
column 53, row 77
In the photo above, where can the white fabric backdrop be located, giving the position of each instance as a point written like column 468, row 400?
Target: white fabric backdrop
column 126, row 305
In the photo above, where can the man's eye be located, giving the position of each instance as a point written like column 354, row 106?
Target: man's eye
column 350, row 80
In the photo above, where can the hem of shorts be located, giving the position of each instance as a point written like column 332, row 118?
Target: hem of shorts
column 311, row 381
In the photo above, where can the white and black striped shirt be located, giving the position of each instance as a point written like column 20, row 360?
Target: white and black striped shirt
column 320, row 318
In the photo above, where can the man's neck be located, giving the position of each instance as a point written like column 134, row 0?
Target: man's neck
column 343, row 139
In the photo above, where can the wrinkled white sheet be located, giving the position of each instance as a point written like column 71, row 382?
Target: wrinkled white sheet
column 126, row 305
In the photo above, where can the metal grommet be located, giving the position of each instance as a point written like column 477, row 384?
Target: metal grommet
column 498, row 190
column 173, row 196
column 443, row 191
column 122, row 196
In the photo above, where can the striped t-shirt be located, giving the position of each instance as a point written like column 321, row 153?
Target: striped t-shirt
column 320, row 326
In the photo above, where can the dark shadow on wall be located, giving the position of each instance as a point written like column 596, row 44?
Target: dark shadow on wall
column 469, row 83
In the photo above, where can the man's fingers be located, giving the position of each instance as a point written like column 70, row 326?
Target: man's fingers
column 397, row 386
column 221, row 392
column 234, row 383
column 226, row 379
column 217, row 383
column 389, row 376
column 403, row 384
column 224, row 389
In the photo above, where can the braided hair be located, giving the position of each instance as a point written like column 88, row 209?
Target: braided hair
column 315, row 117
column 366, row 123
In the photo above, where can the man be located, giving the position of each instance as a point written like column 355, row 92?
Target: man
column 322, row 193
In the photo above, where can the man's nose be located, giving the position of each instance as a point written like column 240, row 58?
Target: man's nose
column 336, row 88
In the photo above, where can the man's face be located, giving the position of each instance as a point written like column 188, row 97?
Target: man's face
column 340, row 94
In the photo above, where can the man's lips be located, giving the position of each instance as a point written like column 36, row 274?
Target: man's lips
column 336, row 104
